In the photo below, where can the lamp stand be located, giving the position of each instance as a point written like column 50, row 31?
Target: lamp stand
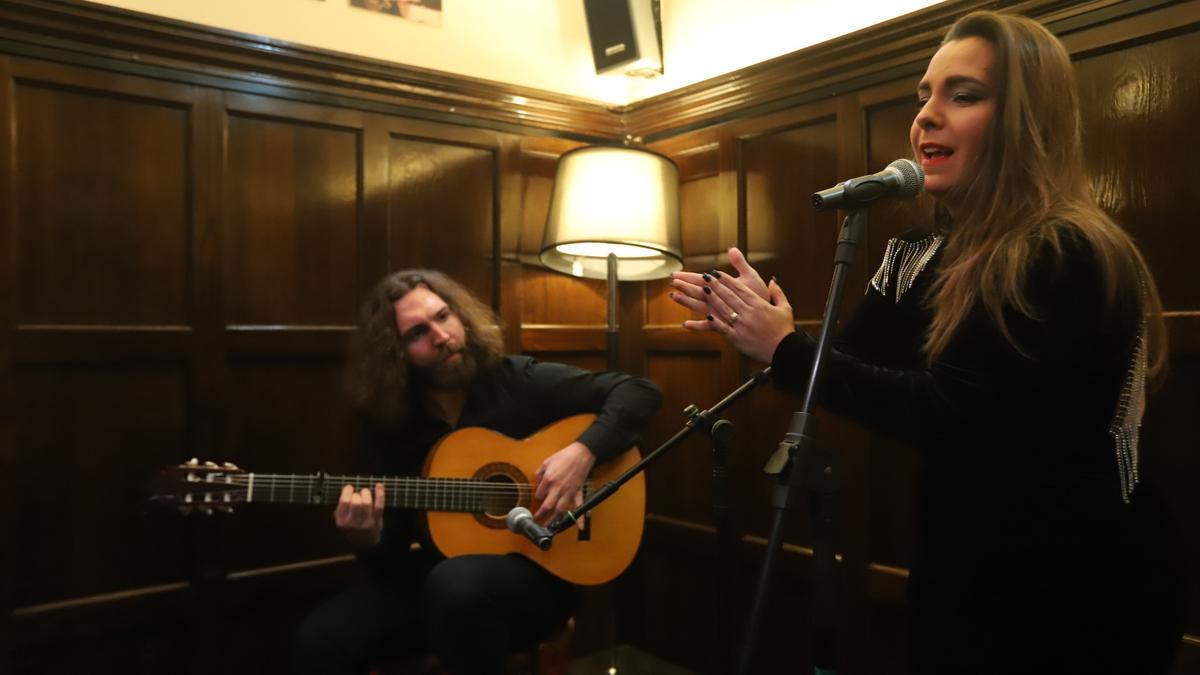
column 613, row 347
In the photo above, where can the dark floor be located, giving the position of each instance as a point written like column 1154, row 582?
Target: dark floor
column 627, row 660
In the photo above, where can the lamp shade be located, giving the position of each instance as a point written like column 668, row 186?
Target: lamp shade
column 614, row 199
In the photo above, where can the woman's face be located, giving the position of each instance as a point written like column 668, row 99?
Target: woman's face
column 958, row 102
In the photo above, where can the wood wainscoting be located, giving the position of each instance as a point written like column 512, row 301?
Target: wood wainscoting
column 191, row 216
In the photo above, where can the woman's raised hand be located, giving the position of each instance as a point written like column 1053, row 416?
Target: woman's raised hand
column 690, row 287
column 753, row 315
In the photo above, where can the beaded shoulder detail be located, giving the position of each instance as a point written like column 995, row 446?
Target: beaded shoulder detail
column 1127, row 420
column 906, row 260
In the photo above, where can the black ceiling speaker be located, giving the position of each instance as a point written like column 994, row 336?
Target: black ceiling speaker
column 625, row 36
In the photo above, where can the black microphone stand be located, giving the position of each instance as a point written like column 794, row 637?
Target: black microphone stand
column 697, row 419
column 798, row 465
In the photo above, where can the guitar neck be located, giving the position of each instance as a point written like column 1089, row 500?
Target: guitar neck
column 431, row 494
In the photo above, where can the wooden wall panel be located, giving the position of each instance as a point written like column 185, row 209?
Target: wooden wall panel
column 441, row 210
column 288, row 416
column 291, row 225
column 679, row 486
column 102, row 220
column 88, row 529
column 1140, row 106
column 784, row 236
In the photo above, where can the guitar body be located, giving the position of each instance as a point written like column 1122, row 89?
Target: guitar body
column 614, row 528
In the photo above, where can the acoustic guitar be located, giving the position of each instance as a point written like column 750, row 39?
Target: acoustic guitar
column 472, row 478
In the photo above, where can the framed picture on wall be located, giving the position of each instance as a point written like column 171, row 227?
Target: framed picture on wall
column 428, row 12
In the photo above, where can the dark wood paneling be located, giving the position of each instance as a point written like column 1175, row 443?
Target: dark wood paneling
column 1139, row 106
column 291, row 221
column 680, row 484
column 102, row 195
column 87, row 440
column 784, row 236
column 441, row 214
column 1139, row 111
column 551, row 298
column 290, row 416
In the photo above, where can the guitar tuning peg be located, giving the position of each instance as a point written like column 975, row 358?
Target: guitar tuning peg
column 192, row 462
column 230, row 465
column 211, row 465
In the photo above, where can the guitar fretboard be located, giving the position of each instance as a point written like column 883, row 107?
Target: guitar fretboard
column 434, row 494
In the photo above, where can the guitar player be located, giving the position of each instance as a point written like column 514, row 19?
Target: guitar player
column 428, row 358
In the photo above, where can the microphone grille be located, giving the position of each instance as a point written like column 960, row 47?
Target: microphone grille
column 912, row 175
column 516, row 516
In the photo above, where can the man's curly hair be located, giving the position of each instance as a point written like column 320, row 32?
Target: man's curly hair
column 378, row 376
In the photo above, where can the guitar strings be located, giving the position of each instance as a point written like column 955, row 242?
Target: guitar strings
column 467, row 493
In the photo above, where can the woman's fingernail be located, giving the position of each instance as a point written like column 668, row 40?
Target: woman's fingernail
column 706, row 277
column 707, row 290
column 708, row 316
column 717, row 273
column 775, row 279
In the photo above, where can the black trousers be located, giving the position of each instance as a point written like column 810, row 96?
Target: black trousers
column 472, row 611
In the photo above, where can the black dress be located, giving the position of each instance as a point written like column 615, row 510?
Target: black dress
column 1034, row 551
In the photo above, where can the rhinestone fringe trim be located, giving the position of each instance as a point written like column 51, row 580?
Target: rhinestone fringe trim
column 910, row 257
column 1128, row 418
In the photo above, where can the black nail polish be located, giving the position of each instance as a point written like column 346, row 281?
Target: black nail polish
column 717, row 273
column 709, row 317
column 706, row 277
column 707, row 290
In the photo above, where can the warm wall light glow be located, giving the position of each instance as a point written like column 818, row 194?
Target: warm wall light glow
column 703, row 39
column 545, row 45
column 613, row 199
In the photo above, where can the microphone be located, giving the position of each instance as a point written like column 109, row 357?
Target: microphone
column 902, row 179
column 520, row 521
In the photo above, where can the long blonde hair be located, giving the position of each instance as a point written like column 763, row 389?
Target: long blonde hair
column 1026, row 191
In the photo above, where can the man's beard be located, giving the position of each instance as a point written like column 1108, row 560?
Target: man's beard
column 450, row 375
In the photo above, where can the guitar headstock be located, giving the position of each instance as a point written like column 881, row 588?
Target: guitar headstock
column 200, row 486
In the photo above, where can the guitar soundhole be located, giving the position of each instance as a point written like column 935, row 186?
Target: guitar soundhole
column 504, row 488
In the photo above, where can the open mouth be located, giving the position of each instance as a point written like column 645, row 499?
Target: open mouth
column 932, row 153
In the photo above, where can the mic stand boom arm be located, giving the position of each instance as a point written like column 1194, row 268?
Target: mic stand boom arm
column 702, row 419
